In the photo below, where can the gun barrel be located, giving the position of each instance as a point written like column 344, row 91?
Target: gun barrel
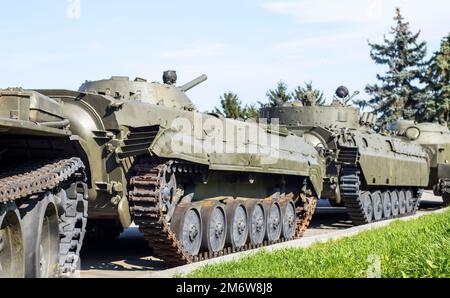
column 193, row 83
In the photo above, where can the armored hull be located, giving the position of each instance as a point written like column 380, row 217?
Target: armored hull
column 374, row 176
column 435, row 139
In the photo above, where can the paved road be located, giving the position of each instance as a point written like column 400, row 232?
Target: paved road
column 129, row 255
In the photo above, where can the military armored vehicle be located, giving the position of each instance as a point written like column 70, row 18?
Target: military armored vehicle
column 43, row 192
column 435, row 138
column 196, row 184
column 374, row 176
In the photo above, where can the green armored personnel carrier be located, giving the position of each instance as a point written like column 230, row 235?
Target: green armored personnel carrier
column 435, row 138
column 196, row 184
column 43, row 190
column 374, row 176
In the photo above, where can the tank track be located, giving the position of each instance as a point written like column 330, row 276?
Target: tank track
column 40, row 176
column 72, row 227
column 446, row 192
column 350, row 186
column 150, row 218
column 36, row 177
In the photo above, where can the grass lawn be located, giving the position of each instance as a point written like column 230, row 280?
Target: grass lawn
column 417, row 248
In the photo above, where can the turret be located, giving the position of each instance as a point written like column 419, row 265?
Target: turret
column 167, row 94
column 298, row 117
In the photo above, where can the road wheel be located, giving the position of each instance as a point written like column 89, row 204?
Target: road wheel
column 12, row 263
column 366, row 201
column 41, row 236
column 402, row 202
column 377, row 205
column 49, row 244
column 395, row 203
column 289, row 217
column 387, row 205
column 187, row 225
column 256, row 222
column 273, row 220
column 237, row 233
column 214, row 228
column 410, row 204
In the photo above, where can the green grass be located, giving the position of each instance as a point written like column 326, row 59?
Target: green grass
column 417, row 248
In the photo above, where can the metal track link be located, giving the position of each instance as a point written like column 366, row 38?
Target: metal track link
column 72, row 225
column 442, row 188
column 348, row 155
column 152, row 222
column 36, row 177
column 350, row 185
column 446, row 185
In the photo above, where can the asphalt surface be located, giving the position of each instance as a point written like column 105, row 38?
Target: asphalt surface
column 129, row 255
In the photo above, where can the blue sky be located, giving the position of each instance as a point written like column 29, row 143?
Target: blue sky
column 245, row 46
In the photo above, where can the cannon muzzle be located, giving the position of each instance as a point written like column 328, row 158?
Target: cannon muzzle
column 193, row 83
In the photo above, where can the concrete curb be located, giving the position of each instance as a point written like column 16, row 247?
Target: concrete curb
column 299, row 243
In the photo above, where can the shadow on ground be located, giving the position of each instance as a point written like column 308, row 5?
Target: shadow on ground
column 430, row 204
column 129, row 252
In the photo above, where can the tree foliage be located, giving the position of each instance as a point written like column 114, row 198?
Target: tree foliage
column 279, row 95
column 251, row 111
column 437, row 80
column 231, row 107
column 361, row 103
column 308, row 95
column 398, row 93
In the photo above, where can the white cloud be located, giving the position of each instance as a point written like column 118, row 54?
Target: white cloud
column 432, row 16
column 323, row 11
column 96, row 46
column 197, row 50
column 371, row 20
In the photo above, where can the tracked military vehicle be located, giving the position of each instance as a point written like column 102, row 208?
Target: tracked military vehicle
column 43, row 190
column 197, row 185
column 435, row 138
column 374, row 176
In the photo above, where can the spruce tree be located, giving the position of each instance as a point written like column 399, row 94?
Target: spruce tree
column 360, row 103
column 279, row 95
column 398, row 93
column 308, row 95
column 251, row 112
column 437, row 80
column 231, row 106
